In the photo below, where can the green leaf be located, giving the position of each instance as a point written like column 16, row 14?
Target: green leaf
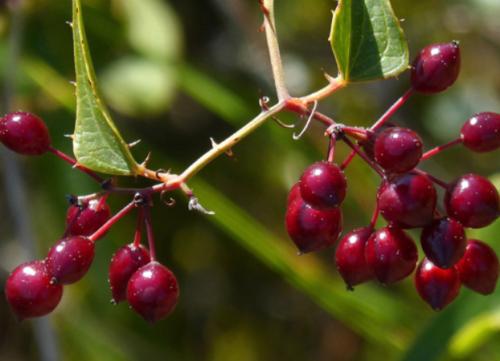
column 97, row 143
column 367, row 40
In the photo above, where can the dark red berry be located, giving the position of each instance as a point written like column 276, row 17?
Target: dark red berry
column 350, row 257
column 472, row 200
column 443, row 242
column 153, row 291
column 438, row 287
column 398, row 150
column 436, row 67
column 323, row 185
column 294, row 193
column 124, row 263
column 368, row 144
column 84, row 220
column 312, row 229
column 408, row 200
column 478, row 268
column 70, row 259
column 481, row 133
column 391, row 254
column 30, row 292
column 24, row 133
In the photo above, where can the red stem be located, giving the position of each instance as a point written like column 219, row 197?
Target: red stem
column 440, row 148
column 393, row 108
column 150, row 233
column 375, row 215
column 348, row 160
column 106, row 226
column 75, row 164
column 138, row 228
column 364, row 156
column 331, row 149
column 438, row 181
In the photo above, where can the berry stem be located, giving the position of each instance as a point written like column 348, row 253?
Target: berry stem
column 106, row 226
column 358, row 151
column 436, row 180
column 439, row 149
column 75, row 164
column 376, row 212
column 348, row 160
column 138, row 227
column 331, row 149
column 393, row 108
column 149, row 232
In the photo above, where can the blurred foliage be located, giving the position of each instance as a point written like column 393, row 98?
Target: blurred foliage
column 178, row 72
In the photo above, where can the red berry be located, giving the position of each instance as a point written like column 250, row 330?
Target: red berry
column 84, row 220
column 294, row 193
column 436, row 68
column 153, row 291
column 443, row 242
column 391, row 254
column 398, row 150
column 438, row 287
column 323, row 185
column 312, row 229
column 478, row 268
column 24, row 133
column 481, row 133
column 368, row 144
column 30, row 292
column 473, row 200
column 124, row 263
column 408, row 200
column 70, row 259
column 350, row 257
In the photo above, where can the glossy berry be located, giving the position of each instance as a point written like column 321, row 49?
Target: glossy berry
column 473, row 200
column 30, row 292
column 70, row 259
column 398, row 150
column 443, row 242
column 312, row 229
column 368, row 144
column 323, row 185
column 408, row 200
column 478, row 268
column 391, row 254
column 436, row 67
column 124, row 263
column 350, row 257
column 24, row 133
column 481, row 133
column 294, row 193
column 438, row 287
column 84, row 220
column 153, row 291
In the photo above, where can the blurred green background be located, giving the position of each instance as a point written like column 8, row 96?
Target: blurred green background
column 177, row 72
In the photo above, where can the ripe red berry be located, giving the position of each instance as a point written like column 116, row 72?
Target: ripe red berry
column 481, row 133
column 312, row 229
column 124, row 263
column 24, row 133
column 350, row 257
column 438, row 287
column 408, row 200
column 443, row 242
column 30, row 292
column 478, row 268
column 398, row 150
column 70, row 259
column 84, row 220
column 153, row 291
column 391, row 254
column 323, row 185
column 436, row 67
column 473, row 200
column 368, row 144
column 294, row 193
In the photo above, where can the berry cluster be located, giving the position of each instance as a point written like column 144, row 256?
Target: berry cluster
column 406, row 199
column 35, row 288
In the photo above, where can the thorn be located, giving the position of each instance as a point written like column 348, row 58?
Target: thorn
column 70, row 136
column 72, row 82
column 213, row 142
column 134, row 143
column 194, row 205
column 161, row 171
column 69, row 23
column 329, row 78
column 146, row 160
column 402, row 20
